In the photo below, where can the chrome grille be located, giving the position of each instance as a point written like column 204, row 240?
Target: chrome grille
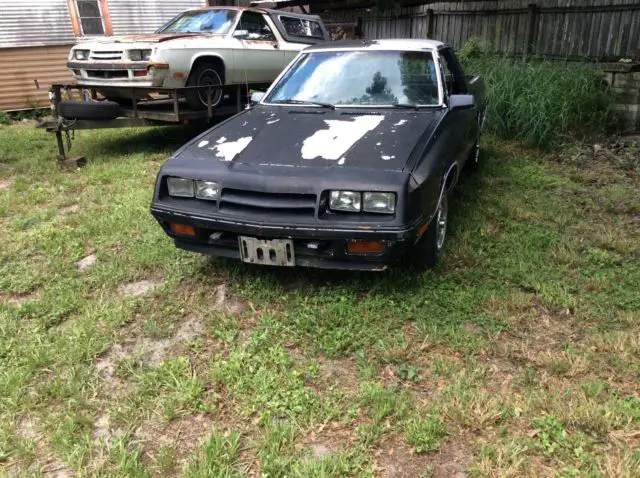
column 106, row 55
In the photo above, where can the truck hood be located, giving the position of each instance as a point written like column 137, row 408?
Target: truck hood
column 147, row 38
column 315, row 138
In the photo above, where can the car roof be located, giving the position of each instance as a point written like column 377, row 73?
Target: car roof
column 256, row 9
column 394, row 44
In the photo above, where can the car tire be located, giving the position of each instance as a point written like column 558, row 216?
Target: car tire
column 205, row 74
column 429, row 248
column 88, row 110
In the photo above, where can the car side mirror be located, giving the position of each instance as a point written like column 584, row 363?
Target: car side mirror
column 462, row 102
column 256, row 97
column 241, row 34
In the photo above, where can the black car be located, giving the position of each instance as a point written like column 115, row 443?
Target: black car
column 345, row 163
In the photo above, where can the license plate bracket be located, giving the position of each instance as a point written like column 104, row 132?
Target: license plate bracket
column 274, row 252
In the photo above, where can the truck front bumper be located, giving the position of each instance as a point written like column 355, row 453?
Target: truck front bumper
column 119, row 74
column 322, row 247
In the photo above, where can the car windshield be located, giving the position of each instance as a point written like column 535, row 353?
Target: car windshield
column 360, row 78
column 202, row 21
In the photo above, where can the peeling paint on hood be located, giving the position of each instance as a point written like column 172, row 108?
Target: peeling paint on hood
column 227, row 151
column 332, row 143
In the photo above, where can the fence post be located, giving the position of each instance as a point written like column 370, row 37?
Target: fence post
column 532, row 11
column 430, row 15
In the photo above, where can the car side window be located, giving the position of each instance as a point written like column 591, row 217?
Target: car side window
column 255, row 24
column 453, row 76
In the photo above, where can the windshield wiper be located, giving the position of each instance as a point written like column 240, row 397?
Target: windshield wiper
column 407, row 106
column 303, row 102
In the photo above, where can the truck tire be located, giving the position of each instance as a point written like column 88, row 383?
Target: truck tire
column 93, row 110
column 205, row 74
column 429, row 247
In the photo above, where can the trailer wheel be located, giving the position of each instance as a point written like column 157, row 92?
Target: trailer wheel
column 205, row 74
column 92, row 110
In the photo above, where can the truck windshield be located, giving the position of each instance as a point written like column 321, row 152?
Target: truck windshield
column 360, row 78
column 202, row 21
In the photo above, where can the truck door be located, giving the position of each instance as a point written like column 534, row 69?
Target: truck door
column 260, row 59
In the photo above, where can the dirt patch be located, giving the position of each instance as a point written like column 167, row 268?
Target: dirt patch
column 393, row 459
column 5, row 184
column 151, row 351
column 182, row 435
column 29, row 428
column 331, row 438
column 86, row 262
column 18, row 300
column 338, row 373
column 451, row 461
column 136, row 289
column 68, row 210
column 103, row 431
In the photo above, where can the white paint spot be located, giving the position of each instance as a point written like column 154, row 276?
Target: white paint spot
column 221, row 140
column 400, row 123
column 334, row 142
column 273, row 121
column 202, row 144
column 387, row 157
column 378, row 144
column 393, row 130
column 228, row 151
column 245, row 123
column 341, row 161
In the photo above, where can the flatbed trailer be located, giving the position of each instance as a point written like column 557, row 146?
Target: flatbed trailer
column 156, row 111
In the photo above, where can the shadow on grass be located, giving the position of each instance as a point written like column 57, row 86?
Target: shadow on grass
column 401, row 278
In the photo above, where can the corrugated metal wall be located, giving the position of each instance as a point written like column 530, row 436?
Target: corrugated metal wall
column 44, row 22
column 146, row 16
column 22, row 68
column 597, row 29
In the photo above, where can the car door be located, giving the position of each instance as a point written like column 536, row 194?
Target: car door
column 306, row 30
column 464, row 122
column 260, row 60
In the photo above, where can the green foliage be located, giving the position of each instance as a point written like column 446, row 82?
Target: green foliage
column 220, row 455
column 542, row 103
column 4, row 117
column 424, row 432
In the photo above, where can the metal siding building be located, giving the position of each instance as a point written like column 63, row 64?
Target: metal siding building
column 146, row 16
column 35, row 39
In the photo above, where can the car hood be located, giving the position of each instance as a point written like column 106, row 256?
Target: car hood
column 315, row 138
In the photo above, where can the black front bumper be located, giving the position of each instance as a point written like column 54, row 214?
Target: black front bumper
column 322, row 247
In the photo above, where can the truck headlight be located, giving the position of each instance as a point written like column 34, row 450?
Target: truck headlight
column 208, row 190
column 348, row 201
column 139, row 55
column 180, row 187
column 382, row 203
column 81, row 54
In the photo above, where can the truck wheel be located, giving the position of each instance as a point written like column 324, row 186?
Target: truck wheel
column 89, row 110
column 205, row 74
column 429, row 247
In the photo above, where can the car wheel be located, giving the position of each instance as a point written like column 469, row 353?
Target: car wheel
column 429, row 247
column 205, row 74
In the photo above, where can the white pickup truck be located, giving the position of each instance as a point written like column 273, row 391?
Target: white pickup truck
column 213, row 46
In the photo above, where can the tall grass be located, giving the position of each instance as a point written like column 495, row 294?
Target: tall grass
column 542, row 103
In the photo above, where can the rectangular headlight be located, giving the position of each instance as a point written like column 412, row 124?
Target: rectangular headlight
column 382, row 203
column 348, row 201
column 207, row 190
column 81, row 54
column 180, row 187
column 139, row 55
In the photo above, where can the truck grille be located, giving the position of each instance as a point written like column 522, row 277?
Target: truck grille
column 106, row 55
column 252, row 203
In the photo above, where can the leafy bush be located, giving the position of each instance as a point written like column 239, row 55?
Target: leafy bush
column 541, row 102
column 4, row 117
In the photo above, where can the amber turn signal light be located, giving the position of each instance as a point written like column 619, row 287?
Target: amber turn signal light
column 366, row 247
column 140, row 73
column 182, row 229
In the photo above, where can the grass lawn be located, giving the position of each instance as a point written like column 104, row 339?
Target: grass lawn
column 123, row 356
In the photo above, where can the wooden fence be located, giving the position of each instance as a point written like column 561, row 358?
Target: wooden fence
column 603, row 30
